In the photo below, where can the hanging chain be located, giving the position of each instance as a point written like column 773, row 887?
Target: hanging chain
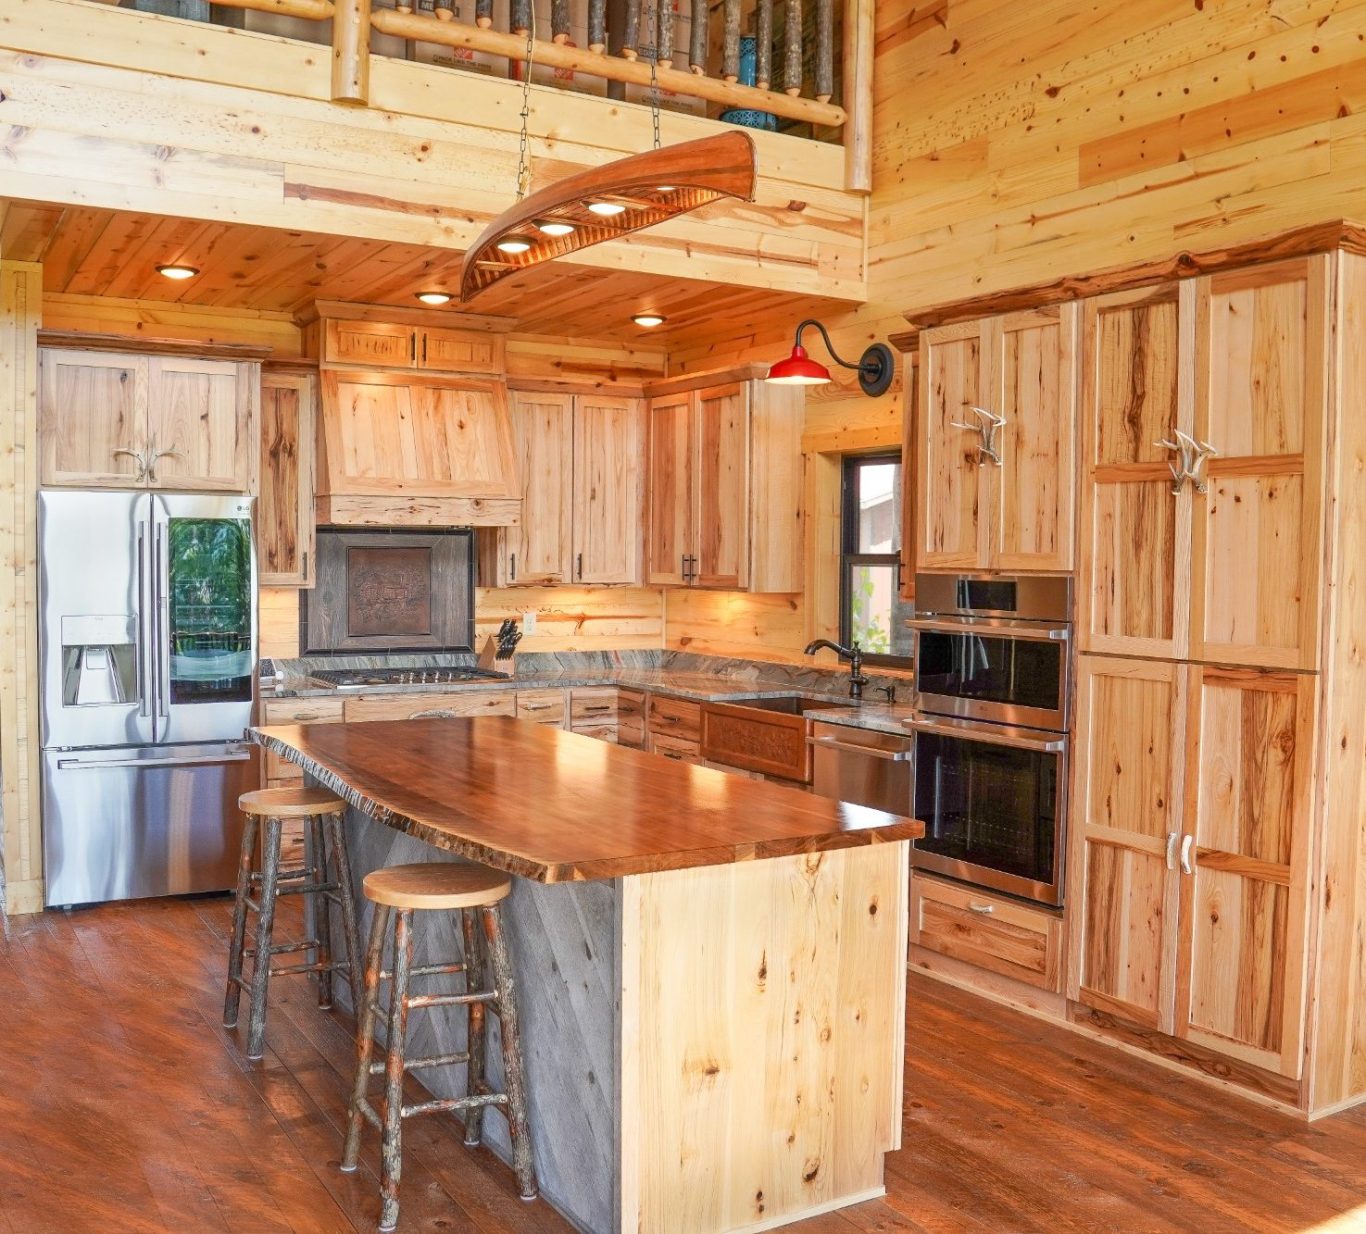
column 523, row 159
column 654, row 87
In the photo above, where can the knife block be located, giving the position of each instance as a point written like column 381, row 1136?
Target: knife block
column 490, row 659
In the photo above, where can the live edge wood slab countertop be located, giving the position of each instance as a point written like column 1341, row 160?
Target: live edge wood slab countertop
column 557, row 807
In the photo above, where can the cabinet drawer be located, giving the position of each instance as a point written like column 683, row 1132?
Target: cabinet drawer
column 295, row 711
column 593, row 706
column 989, row 931
column 405, row 706
column 676, row 748
column 542, row 706
column 602, row 732
column 460, row 351
column 369, row 343
column 675, row 717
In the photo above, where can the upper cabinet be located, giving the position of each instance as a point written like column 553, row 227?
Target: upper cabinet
column 123, row 420
column 725, row 488
column 378, row 344
column 996, row 411
column 1201, row 497
column 581, row 460
column 284, row 513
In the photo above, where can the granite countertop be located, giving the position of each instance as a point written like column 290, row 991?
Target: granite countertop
column 692, row 683
column 525, row 798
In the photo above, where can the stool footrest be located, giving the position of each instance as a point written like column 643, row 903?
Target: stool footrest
column 303, row 889
column 287, row 874
column 446, row 1105
column 415, row 1064
column 283, row 948
column 435, row 970
column 419, row 1002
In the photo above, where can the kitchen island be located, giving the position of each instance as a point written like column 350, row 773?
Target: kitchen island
column 711, row 970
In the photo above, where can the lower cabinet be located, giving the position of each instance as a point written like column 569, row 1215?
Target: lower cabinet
column 280, row 773
column 411, row 706
column 992, row 932
column 542, row 707
column 674, row 728
column 1193, row 801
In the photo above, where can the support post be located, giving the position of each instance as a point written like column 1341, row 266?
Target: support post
column 857, row 92
column 21, row 298
column 351, row 52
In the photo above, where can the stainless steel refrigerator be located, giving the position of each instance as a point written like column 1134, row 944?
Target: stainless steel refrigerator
column 148, row 662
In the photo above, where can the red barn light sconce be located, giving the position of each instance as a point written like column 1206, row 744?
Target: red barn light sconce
column 876, row 367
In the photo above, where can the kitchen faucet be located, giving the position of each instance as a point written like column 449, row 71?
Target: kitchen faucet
column 853, row 654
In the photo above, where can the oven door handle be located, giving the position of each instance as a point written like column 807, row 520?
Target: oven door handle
column 831, row 743
column 1040, row 745
column 991, row 628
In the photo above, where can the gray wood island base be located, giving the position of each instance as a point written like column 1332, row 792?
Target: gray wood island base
column 713, row 1037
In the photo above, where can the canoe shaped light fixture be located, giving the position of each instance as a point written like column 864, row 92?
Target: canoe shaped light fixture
column 606, row 202
column 876, row 366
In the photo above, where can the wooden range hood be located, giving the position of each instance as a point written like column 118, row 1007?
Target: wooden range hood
column 409, row 449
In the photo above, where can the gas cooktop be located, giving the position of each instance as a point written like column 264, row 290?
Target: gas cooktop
column 357, row 678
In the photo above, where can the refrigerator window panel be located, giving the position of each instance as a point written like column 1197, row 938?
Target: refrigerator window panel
column 209, row 617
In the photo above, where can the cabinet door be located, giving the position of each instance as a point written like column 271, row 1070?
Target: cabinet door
column 538, row 549
column 284, row 516
column 369, row 343
column 950, row 530
column 722, row 478
column 1244, row 909
column 1036, row 484
column 669, row 546
column 390, row 433
column 609, row 457
column 1261, row 366
column 460, row 351
column 1134, row 531
column 201, row 425
column 1125, row 830
column 92, row 417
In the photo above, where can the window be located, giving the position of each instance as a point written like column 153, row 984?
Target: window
column 871, row 609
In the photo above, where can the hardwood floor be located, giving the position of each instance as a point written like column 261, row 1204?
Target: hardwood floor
column 125, row 1107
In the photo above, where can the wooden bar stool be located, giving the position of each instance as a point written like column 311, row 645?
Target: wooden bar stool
column 396, row 892
column 325, row 876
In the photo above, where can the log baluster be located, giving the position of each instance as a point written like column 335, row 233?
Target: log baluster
column 664, row 32
column 597, row 26
column 483, row 13
column 559, row 20
column 792, row 45
column 697, row 46
column 630, row 35
column 730, row 47
column 763, row 44
column 521, row 16
column 825, row 50
column 351, row 52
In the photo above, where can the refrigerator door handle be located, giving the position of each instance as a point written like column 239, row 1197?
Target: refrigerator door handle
column 161, row 608
column 197, row 760
column 145, row 686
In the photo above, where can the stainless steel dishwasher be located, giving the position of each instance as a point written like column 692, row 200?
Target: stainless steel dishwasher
column 863, row 766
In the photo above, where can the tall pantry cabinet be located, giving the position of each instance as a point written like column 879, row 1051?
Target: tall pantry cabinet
column 1218, row 825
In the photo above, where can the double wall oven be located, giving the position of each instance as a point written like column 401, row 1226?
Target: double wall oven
column 993, row 690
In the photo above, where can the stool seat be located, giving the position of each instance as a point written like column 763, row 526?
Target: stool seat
column 437, row 884
column 290, row 802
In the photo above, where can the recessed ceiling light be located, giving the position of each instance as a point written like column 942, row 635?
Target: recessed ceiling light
column 514, row 244
column 648, row 319
column 607, row 209
column 177, row 272
column 553, row 227
column 434, row 297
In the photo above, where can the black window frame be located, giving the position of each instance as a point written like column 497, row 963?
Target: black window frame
column 850, row 557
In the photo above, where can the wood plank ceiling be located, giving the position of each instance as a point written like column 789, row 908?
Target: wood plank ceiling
column 115, row 253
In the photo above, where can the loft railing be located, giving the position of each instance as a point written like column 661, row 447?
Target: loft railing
column 699, row 58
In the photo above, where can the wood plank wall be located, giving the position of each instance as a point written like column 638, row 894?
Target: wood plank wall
column 21, row 853
column 1015, row 143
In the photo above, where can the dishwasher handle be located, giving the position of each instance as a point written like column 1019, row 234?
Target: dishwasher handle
column 832, row 743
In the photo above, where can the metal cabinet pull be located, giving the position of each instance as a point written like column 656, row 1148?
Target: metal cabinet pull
column 537, row 706
column 580, row 567
column 602, row 707
column 1186, row 843
column 981, row 909
column 512, row 578
column 1172, row 837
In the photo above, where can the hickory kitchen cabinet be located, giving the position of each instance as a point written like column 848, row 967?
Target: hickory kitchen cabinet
column 143, row 420
column 1191, row 842
column 996, row 410
column 581, row 461
column 382, row 344
column 284, row 511
column 724, row 481
column 1202, row 467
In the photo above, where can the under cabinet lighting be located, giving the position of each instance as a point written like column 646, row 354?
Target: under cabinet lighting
column 177, row 272
column 434, row 297
column 648, row 319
